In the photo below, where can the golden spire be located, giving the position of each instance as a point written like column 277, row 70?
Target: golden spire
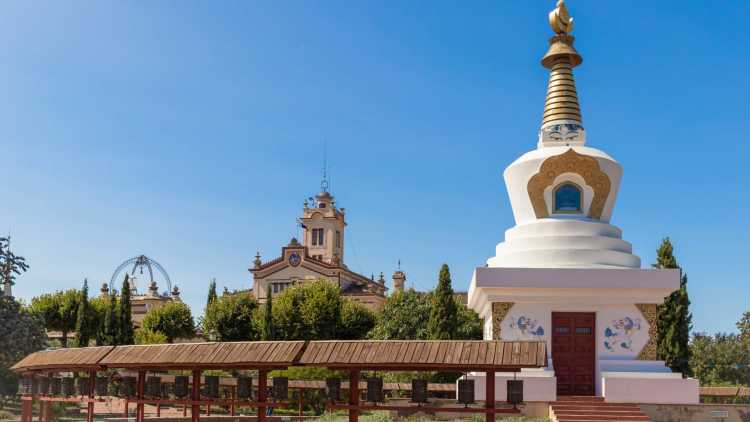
column 561, row 106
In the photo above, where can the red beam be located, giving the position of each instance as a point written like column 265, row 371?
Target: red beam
column 195, row 410
column 489, row 395
column 354, row 395
column 92, row 385
column 428, row 409
column 262, row 379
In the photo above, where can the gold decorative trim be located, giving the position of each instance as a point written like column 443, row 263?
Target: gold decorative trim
column 648, row 310
column 570, row 162
column 499, row 312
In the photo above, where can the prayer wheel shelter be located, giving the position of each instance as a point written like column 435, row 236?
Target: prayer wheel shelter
column 263, row 356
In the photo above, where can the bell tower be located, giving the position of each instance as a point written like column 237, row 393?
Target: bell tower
column 324, row 225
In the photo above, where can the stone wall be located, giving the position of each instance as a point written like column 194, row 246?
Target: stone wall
column 697, row 412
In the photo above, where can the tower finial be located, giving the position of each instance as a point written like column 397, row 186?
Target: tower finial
column 560, row 20
column 324, row 182
column 561, row 121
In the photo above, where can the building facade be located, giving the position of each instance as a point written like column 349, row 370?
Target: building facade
column 319, row 256
column 564, row 275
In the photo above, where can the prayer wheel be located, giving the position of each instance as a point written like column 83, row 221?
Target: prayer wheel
column 418, row 391
column 153, row 387
column 466, row 391
column 280, row 388
column 181, row 386
column 375, row 390
column 26, row 385
column 102, row 386
column 211, row 389
column 42, row 387
column 333, row 389
column 68, row 386
column 55, row 386
column 515, row 392
column 83, row 386
column 127, row 389
column 244, row 387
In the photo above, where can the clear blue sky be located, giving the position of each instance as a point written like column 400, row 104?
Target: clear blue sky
column 192, row 132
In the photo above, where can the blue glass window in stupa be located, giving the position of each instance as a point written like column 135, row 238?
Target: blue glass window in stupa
column 568, row 198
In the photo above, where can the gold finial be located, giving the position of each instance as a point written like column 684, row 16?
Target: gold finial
column 560, row 20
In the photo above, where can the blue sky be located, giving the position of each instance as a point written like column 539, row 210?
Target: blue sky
column 193, row 131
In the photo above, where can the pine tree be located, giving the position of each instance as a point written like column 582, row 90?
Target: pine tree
column 83, row 317
column 211, row 292
column 444, row 314
column 111, row 325
column 126, row 335
column 268, row 328
column 674, row 318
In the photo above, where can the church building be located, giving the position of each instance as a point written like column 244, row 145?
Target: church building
column 564, row 275
column 320, row 255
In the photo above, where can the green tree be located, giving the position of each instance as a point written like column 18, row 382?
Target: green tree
column 468, row 325
column 11, row 265
column 125, row 317
column 309, row 311
column 356, row 320
column 403, row 316
column 268, row 329
column 98, row 306
column 444, row 313
column 211, row 293
column 173, row 319
column 722, row 359
column 58, row 310
column 230, row 317
column 144, row 336
column 111, row 324
column 674, row 318
column 21, row 333
column 84, row 317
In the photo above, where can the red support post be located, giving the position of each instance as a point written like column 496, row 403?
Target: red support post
column 27, row 405
column 354, row 395
column 125, row 412
column 158, row 409
column 195, row 409
column 489, row 395
column 233, row 389
column 262, row 381
column 92, row 390
column 139, row 392
column 301, row 401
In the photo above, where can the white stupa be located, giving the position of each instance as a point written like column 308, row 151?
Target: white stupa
column 563, row 274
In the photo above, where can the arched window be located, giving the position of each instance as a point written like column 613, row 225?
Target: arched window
column 568, row 198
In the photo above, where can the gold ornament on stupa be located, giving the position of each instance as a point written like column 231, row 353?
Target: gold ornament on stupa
column 561, row 104
column 560, row 20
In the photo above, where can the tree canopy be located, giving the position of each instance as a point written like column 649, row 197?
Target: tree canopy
column 11, row 265
column 356, row 320
column 125, row 331
column 403, row 316
column 230, row 318
column 84, row 318
column 172, row 319
column 442, row 324
column 674, row 318
column 58, row 310
column 21, row 333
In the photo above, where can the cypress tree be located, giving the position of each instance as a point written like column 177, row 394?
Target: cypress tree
column 111, row 326
column 211, row 293
column 126, row 335
column 83, row 317
column 444, row 313
column 268, row 328
column 674, row 318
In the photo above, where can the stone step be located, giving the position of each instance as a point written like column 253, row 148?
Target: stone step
column 588, row 407
column 592, row 409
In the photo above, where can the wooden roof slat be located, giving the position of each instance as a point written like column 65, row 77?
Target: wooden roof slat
column 363, row 354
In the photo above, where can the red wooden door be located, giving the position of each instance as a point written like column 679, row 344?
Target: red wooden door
column 574, row 352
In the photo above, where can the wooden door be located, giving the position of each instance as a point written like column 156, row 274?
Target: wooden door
column 574, row 352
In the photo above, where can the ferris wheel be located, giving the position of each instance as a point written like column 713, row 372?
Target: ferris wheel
column 139, row 263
